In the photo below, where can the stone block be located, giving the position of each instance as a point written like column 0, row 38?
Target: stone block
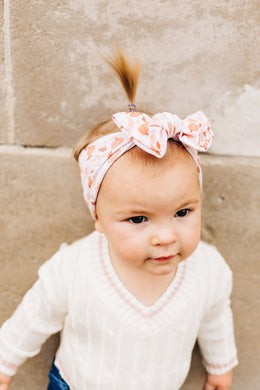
column 235, row 122
column 6, row 87
column 3, row 124
column 42, row 206
column 231, row 207
column 193, row 54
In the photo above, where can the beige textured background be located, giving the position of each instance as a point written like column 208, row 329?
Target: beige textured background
column 54, row 86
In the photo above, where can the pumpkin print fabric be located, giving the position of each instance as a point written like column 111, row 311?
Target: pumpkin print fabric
column 149, row 134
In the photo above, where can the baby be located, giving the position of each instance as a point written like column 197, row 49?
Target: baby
column 131, row 298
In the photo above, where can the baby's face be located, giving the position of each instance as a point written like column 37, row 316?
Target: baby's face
column 151, row 218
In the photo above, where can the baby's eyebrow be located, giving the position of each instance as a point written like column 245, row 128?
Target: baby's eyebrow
column 189, row 202
column 131, row 211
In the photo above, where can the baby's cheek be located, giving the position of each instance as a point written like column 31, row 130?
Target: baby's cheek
column 191, row 240
column 135, row 249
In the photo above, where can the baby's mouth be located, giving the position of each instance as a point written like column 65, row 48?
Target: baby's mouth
column 164, row 258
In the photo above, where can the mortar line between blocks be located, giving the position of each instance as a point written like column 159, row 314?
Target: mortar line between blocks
column 8, row 73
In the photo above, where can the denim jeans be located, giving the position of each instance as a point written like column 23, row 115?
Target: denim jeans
column 56, row 381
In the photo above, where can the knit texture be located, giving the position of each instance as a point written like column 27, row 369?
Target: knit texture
column 111, row 340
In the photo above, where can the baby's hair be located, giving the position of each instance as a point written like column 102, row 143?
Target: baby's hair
column 128, row 75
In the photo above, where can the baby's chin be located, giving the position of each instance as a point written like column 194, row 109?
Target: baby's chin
column 161, row 268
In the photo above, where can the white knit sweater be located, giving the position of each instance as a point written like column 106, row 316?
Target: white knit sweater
column 109, row 339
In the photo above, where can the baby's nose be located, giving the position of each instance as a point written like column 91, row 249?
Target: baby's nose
column 164, row 236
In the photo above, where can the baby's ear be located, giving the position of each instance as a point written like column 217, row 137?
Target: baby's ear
column 98, row 226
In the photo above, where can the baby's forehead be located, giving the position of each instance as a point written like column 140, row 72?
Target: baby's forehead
column 136, row 166
column 176, row 155
column 132, row 186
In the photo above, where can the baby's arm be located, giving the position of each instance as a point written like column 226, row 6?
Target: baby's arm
column 40, row 314
column 218, row 382
column 5, row 381
column 216, row 333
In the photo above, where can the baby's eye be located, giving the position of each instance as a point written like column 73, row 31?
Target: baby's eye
column 137, row 219
column 182, row 213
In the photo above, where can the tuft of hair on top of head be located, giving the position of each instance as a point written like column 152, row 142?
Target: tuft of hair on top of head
column 127, row 72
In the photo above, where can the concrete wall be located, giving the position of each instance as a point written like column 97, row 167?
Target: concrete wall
column 54, row 85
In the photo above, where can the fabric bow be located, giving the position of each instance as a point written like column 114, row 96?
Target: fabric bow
column 149, row 134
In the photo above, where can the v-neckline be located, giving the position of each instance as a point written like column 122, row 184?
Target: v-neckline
column 125, row 303
column 124, row 293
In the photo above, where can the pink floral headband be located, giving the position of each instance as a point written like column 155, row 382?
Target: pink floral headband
column 149, row 134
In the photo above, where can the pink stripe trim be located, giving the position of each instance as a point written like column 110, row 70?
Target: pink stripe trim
column 112, row 283
column 219, row 366
column 172, row 293
column 127, row 301
column 64, row 375
column 7, row 364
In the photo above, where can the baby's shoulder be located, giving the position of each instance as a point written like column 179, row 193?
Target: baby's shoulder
column 210, row 259
column 72, row 257
column 206, row 249
column 78, row 245
column 213, row 273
